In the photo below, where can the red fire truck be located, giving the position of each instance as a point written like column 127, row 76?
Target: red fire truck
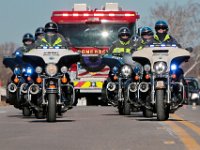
column 91, row 32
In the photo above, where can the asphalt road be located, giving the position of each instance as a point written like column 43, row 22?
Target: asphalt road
column 100, row 128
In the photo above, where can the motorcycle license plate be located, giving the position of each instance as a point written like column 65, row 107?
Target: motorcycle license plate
column 160, row 84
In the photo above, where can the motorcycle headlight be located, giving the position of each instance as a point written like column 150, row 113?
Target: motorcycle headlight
column 51, row 69
column 29, row 70
column 17, row 71
column 137, row 69
column 114, row 70
column 173, row 67
column 63, row 69
column 160, row 67
column 126, row 71
column 38, row 69
column 147, row 67
column 195, row 96
column 18, row 53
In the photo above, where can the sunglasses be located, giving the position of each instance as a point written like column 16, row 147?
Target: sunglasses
column 125, row 34
column 161, row 27
column 147, row 33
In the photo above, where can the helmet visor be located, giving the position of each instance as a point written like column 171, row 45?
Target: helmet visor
column 147, row 33
column 161, row 27
column 124, row 34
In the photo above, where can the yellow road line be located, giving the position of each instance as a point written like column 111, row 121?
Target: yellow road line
column 195, row 128
column 187, row 140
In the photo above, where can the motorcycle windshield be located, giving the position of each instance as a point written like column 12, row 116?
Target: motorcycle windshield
column 165, row 54
column 112, row 61
column 41, row 57
column 12, row 62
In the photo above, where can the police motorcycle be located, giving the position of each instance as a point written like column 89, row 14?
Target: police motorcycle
column 52, row 88
column 123, row 71
column 18, row 84
column 163, row 89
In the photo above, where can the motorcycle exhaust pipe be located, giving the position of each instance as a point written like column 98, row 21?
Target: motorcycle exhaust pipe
column 34, row 89
column 24, row 88
column 111, row 86
column 12, row 88
column 144, row 87
column 132, row 87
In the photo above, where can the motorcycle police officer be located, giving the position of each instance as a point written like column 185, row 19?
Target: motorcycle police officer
column 147, row 37
column 162, row 36
column 28, row 43
column 39, row 33
column 124, row 44
column 51, row 37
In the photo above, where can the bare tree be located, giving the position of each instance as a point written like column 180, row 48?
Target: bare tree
column 184, row 25
column 5, row 49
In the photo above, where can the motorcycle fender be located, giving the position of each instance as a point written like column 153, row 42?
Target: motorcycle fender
column 160, row 85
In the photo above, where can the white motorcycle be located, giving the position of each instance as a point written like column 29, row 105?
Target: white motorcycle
column 52, row 90
column 165, row 89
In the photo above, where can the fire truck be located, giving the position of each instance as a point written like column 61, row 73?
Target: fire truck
column 91, row 32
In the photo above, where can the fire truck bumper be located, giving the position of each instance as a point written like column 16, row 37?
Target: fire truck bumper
column 88, row 86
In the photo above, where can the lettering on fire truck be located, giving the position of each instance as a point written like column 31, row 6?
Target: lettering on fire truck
column 93, row 51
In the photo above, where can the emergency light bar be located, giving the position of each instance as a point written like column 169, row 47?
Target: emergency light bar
column 94, row 14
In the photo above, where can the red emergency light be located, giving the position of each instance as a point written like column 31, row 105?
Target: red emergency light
column 94, row 16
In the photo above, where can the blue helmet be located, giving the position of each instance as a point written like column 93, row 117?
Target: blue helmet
column 28, row 37
column 161, row 24
column 147, row 31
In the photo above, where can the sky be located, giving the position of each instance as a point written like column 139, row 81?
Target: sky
column 18, row 17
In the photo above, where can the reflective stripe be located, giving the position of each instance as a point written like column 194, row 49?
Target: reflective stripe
column 45, row 41
column 139, row 48
column 125, row 43
column 57, row 42
column 118, row 50
column 121, row 50
column 87, row 84
column 142, row 44
column 167, row 37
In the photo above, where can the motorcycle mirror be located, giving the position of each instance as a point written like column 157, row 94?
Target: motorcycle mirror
column 189, row 49
column 139, row 31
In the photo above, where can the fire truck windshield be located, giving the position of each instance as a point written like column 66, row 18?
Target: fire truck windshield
column 81, row 35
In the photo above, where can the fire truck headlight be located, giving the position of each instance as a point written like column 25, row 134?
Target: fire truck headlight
column 104, row 34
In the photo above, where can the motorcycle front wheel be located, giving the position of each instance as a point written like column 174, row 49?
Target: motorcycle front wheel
column 162, row 110
column 127, row 105
column 51, row 108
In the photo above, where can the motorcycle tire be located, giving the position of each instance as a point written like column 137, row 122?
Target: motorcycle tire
column 26, row 111
column 126, row 104
column 39, row 115
column 120, row 108
column 162, row 113
column 147, row 113
column 51, row 108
